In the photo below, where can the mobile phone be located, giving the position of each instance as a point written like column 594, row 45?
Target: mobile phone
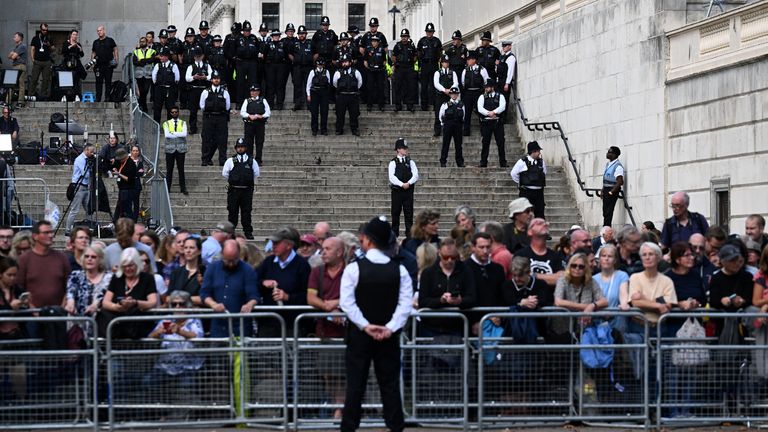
column 24, row 297
column 660, row 299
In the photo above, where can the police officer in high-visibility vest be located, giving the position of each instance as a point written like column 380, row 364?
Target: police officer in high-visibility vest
column 430, row 51
column 144, row 62
column 241, row 172
column 374, row 59
column 165, row 76
column 255, row 112
column 347, row 82
column 490, row 106
column 403, row 175
column 530, row 174
column 405, row 78
column 452, row 118
column 613, row 180
column 197, row 76
column 215, row 105
column 176, row 148
column 248, row 49
column 443, row 80
column 318, row 89
column 506, row 70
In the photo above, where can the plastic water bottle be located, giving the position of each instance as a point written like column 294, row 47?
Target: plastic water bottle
column 45, row 156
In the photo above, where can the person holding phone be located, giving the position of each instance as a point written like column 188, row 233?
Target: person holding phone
column 130, row 293
column 650, row 290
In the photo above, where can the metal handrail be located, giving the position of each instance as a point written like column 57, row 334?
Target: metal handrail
column 555, row 125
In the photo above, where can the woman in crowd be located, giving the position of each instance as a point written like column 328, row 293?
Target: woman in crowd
column 166, row 252
column 650, row 290
column 130, row 293
column 160, row 287
column 424, row 230
column 578, row 292
column 138, row 160
column 86, row 287
column 760, row 288
column 22, row 242
column 10, row 300
column 613, row 282
column 251, row 254
column 189, row 277
column 79, row 239
column 426, row 256
column 466, row 227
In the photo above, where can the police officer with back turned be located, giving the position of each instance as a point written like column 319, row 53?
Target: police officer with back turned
column 215, row 105
column 240, row 171
column 403, row 175
column 530, row 174
column 255, row 112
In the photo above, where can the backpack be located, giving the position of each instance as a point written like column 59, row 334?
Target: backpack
column 597, row 358
column 118, row 92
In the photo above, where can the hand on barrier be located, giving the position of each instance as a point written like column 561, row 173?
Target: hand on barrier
column 218, row 307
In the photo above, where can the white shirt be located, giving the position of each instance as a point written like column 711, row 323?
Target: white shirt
column 520, row 166
column 396, row 181
column 481, row 101
column 483, row 73
column 204, row 96
column 359, row 77
column 244, row 109
column 348, row 302
column 173, row 66
column 510, row 68
column 436, row 80
column 228, row 165
column 188, row 74
column 444, row 107
column 312, row 76
column 172, row 132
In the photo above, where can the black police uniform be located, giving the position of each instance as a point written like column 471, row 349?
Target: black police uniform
column 240, row 193
column 347, row 99
column 276, row 69
column 230, row 46
column 402, row 199
column 319, row 91
column 487, row 57
column 446, row 80
column 166, row 90
column 473, row 87
column 364, row 42
column 248, row 48
column 502, row 72
column 254, row 129
column 453, row 124
column 204, row 42
column 288, row 42
column 429, row 49
column 323, row 45
column 405, row 79
column 196, row 88
column 533, row 176
column 215, row 128
column 187, row 58
column 342, row 51
column 457, row 56
column 301, row 52
column 376, row 81
column 217, row 58
column 492, row 126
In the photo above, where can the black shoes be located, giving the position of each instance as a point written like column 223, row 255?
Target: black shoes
column 442, row 164
column 184, row 191
column 314, row 133
column 249, row 236
column 411, row 109
column 325, row 132
column 339, row 132
column 356, row 133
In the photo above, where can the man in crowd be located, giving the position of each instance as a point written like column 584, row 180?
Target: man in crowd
column 324, row 286
column 215, row 103
column 451, row 115
column 230, row 285
column 300, row 54
column 82, row 172
column 429, row 51
column 530, row 175
column 516, row 232
column 683, row 223
column 318, row 90
column 605, row 237
column 322, row 231
column 488, row 276
column 6, row 240
column 580, row 238
column 403, row 175
column 241, row 172
column 545, row 263
column 255, row 113
column 377, row 295
column 473, row 78
column 404, row 77
column 629, row 240
column 197, row 75
column 42, row 47
column 491, row 105
column 613, row 180
column 347, row 82
column 165, row 76
column 498, row 253
column 9, row 125
column 754, row 228
column 212, row 246
column 18, row 57
column 124, row 230
column 104, row 51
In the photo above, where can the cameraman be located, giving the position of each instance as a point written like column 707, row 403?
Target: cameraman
column 72, row 52
column 82, row 172
column 9, row 125
column 104, row 51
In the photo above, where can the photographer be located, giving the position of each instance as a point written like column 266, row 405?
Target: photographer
column 9, row 125
column 104, row 52
column 72, row 52
column 41, row 62
column 82, row 172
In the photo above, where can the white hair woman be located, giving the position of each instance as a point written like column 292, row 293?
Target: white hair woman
column 650, row 290
column 130, row 292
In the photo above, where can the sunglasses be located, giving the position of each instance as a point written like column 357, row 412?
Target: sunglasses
column 449, row 258
column 178, row 304
column 90, row 256
column 578, row 266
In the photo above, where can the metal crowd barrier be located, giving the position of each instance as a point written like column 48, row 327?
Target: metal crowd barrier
column 26, row 205
column 42, row 387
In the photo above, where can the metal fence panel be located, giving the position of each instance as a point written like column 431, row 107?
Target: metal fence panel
column 28, row 204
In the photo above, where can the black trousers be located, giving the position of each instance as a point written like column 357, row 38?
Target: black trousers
column 234, row 94
column 103, row 80
column 375, row 87
column 215, row 135
column 246, row 76
column 505, row 115
column 194, row 107
column 254, row 138
column 165, row 97
column 426, row 75
column 452, row 131
column 495, row 128
column 402, row 200
column 470, row 107
column 275, row 77
column 439, row 100
column 144, row 85
column 300, row 74
column 360, row 67
column 125, row 202
column 184, row 87
column 361, row 350
column 240, row 200
column 609, row 204
column 177, row 159
column 536, row 197
column 261, row 75
column 405, row 82
column 344, row 103
column 318, row 106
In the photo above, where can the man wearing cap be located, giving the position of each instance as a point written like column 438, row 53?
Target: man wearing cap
column 530, row 174
column 174, row 44
column 300, row 54
column 175, row 131
column 613, row 180
column 729, row 288
column 430, row 51
column 374, row 60
column 188, row 49
column 404, row 77
column 241, row 172
column 457, row 52
column 491, row 105
column 324, row 41
column 488, row 55
column 318, row 89
column 143, row 61
column 231, row 44
column 216, row 57
column 215, row 104
column 248, row 51
column 473, row 79
column 276, row 68
column 255, row 112
column 220, row 233
column 165, row 76
column 443, row 80
column 197, row 76
column 506, row 71
column 403, row 175
column 204, row 38
column 377, row 296
column 451, row 115
column 347, row 82
column 343, row 49
column 516, row 232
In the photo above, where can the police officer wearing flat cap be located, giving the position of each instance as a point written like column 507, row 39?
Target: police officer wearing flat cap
column 473, row 79
column 491, row 106
column 230, row 46
column 165, row 76
column 248, row 50
column 197, row 77
column 375, row 78
column 452, row 119
column 241, row 172
column 276, row 70
column 430, row 51
column 318, row 89
column 377, row 296
column 347, row 81
column 264, row 38
column 204, row 39
column 300, row 54
column 214, row 102
column 403, row 175
column 457, row 52
column 255, row 112
column 405, row 78
column 443, row 80
column 488, row 55
column 506, row 71
column 530, row 174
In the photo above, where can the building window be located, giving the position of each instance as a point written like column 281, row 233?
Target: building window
column 270, row 15
column 313, row 12
column 356, row 15
column 720, row 190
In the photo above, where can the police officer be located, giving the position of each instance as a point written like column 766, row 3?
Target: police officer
column 403, row 175
column 318, row 88
column 204, row 38
column 217, row 58
column 430, row 51
column 186, row 58
column 197, row 76
column 214, row 102
column 473, row 79
column 264, row 38
column 375, row 59
column 458, row 53
column 357, row 57
column 175, row 130
column 613, row 180
column 506, row 71
column 175, row 44
column 276, row 69
column 231, row 44
column 451, row 117
column 405, row 79
column 443, row 80
column 241, row 172
column 347, row 81
column 165, row 76
column 343, row 49
column 365, row 42
column 288, row 41
column 300, row 54
column 488, row 55
column 530, row 175
column 255, row 112
column 144, row 62
column 324, row 42
column 491, row 106
column 248, row 50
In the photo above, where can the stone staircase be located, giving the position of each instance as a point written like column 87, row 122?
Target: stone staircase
column 305, row 179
